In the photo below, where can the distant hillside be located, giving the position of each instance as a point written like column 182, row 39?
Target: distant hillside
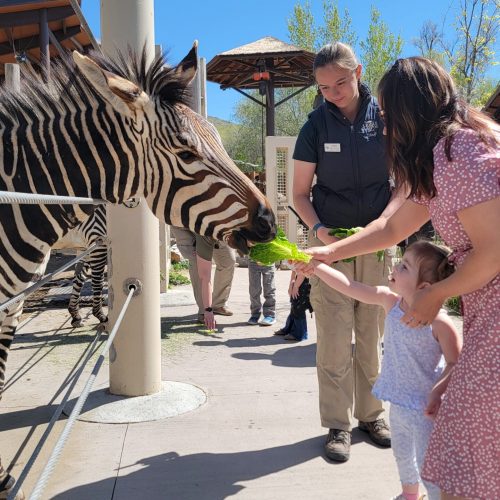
column 226, row 129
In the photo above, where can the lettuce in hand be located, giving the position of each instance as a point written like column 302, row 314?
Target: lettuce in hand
column 278, row 249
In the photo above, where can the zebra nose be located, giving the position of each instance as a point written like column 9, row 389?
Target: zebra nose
column 264, row 223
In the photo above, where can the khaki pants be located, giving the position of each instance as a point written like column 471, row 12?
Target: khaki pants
column 346, row 373
column 224, row 258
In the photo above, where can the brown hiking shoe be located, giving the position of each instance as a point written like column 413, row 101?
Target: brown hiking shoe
column 338, row 445
column 223, row 311
column 378, row 430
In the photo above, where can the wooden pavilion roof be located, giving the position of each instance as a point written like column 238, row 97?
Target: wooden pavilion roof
column 20, row 29
column 288, row 65
column 492, row 107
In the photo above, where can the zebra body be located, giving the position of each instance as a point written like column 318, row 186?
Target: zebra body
column 113, row 130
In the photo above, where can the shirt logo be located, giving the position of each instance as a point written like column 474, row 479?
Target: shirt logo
column 332, row 147
column 369, row 128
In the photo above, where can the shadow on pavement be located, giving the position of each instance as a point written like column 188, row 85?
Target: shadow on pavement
column 210, row 476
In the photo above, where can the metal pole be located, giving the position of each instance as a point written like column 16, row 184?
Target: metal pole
column 135, row 358
column 13, row 76
column 44, row 44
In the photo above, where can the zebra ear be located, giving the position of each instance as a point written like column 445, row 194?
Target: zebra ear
column 186, row 69
column 123, row 95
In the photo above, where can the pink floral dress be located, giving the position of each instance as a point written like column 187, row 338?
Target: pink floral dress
column 463, row 457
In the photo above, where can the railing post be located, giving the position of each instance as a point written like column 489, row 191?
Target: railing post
column 135, row 358
column 13, row 76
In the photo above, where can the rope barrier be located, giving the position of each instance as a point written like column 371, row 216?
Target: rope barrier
column 46, row 199
column 28, row 291
column 53, row 420
column 56, row 452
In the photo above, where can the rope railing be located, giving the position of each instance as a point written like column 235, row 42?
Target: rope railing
column 46, row 199
column 56, row 452
column 33, row 288
column 55, row 417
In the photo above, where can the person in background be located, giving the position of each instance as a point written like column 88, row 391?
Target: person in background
column 342, row 145
column 261, row 281
column 295, row 328
column 412, row 378
column 448, row 154
column 190, row 246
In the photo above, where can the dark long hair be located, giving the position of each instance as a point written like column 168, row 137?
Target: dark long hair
column 421, row 106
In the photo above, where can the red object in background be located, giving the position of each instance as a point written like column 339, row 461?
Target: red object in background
column 262, row 75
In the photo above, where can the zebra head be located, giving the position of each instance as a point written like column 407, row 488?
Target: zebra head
column 175, row 158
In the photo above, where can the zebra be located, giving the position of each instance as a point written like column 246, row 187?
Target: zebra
column 113, row 129
column 83, row 236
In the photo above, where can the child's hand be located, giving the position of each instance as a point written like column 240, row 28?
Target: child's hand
column 433, row 405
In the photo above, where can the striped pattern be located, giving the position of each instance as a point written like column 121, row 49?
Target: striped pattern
column 113, row 130
column 94, row 265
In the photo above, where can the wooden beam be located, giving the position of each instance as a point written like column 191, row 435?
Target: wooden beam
column 14, row 19
column 32, row 42
column 85, row 25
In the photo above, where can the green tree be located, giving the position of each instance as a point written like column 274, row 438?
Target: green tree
column 379, row 50
column 470, row 54
column 478, row 25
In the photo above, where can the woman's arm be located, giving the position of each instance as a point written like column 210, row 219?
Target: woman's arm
column 379, row 234
column 450, row 342
column 302, row 181
column 398, row 197
column 379, row 295
column 482, row 264
column 205, row 276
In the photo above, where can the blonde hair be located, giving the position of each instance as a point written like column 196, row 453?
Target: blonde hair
column 336, row 53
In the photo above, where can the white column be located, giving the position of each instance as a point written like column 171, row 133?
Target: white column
column 135, row 358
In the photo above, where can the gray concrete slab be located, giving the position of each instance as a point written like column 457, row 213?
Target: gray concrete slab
column 258, row 435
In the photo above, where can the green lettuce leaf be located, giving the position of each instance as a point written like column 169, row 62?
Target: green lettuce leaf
column 278, row 249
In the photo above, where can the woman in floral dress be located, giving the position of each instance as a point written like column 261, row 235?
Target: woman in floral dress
column 448, row 154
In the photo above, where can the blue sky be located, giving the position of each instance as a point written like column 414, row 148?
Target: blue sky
column 220, row 25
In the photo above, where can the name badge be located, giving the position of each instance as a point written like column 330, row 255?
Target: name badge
column 332, row 147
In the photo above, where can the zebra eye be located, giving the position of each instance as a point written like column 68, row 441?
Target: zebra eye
column 187, row 156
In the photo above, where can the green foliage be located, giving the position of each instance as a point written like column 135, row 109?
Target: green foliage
column 379, row 50
column 471, row 53
column 453, row 304
column 183, row 264
column 278, row 249
column 175, row 278
column 336, row 27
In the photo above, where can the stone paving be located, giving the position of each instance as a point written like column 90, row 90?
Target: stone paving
column 257, row 436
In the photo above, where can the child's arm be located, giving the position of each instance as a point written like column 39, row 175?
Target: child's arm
column 450, row 341
column 379, row 295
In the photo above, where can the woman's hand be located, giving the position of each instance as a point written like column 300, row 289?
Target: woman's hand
column 423, row 308
column 433, row 405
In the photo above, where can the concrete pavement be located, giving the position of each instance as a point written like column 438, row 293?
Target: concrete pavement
column 257, row 436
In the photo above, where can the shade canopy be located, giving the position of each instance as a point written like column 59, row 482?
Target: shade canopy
column 492, row 107
column 265, row 64
column 36, row 31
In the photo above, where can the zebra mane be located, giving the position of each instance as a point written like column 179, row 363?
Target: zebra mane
column 158, row 80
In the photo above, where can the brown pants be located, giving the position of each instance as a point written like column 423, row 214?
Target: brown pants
column 224, row 258
column 347, row 372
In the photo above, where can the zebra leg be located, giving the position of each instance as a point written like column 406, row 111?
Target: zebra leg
column 7, row 482
column 98, row 260
column 81, row 274
column 8, row 324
